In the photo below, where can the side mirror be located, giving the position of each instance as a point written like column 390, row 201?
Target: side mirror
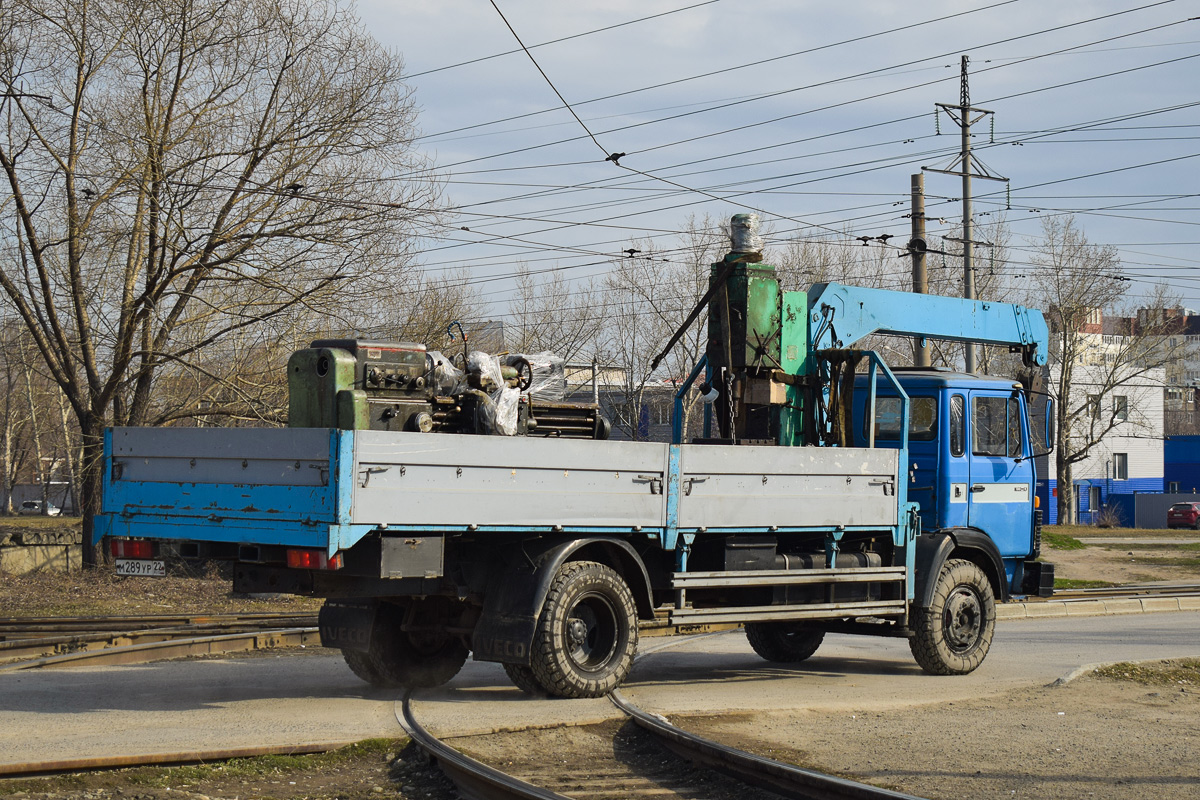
column 1051, row 421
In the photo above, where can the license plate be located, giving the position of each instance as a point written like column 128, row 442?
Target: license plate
column 141, row 568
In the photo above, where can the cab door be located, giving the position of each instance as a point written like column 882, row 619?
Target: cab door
column 1000, row 485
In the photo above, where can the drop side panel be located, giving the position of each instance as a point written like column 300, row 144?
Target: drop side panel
column 788, row 487
column 415, row 480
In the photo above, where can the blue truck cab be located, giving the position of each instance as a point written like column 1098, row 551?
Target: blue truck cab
column 970, row 462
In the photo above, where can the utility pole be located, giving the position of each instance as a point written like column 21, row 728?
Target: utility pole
column 965, row 116
column 917, row 246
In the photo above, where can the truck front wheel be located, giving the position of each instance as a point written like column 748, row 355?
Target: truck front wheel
column 783, row 642
column 587, row 632
column 415, row 660
column 952, row 635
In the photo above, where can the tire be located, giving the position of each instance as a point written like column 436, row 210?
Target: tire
column 360, row 664
column 411, row 660
column 783, row 642
column 952, row 635
column 524, row 679
column 587, row 633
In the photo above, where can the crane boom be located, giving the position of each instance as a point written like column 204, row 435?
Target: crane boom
column 841, row 315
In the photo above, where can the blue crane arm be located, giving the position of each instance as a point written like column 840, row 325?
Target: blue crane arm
column 842, row 315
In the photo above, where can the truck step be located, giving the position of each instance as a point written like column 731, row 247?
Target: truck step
column 785, row 577
column 868, row 608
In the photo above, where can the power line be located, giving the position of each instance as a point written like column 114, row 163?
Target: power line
column 746, row 65
column 562, row 39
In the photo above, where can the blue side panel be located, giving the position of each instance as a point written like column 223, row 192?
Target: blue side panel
column 671, row 532
column 309, row 508
column 1083, row 499
column 163, row 526
column 1181, row 462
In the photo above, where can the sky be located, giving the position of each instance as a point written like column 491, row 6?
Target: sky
column 812, row 114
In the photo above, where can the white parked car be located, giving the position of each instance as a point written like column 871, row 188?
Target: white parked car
column 34, row 508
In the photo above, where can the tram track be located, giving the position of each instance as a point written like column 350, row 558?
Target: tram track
column 1129, row 591
column 764, row 774
column 27, row 643
column 687, row 766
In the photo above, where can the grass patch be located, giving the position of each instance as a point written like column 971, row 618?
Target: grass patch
column 260, row 766
column 1075, row 583
column 370, row 751
column 1168, row 561
column 1087, row 531
column 1061, row 541
column 101, row 591
column 38, row 521
column 1172, row 672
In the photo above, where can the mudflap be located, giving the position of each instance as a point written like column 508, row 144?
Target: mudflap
column 504, row 631
column 346, row 625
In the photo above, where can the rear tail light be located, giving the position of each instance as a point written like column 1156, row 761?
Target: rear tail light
column 312, row 559
column 129, row 548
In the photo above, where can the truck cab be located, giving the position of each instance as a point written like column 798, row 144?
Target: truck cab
column 970, row 459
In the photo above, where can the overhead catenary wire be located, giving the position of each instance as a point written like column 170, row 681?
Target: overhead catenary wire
column 747, row 65
column 768, row 95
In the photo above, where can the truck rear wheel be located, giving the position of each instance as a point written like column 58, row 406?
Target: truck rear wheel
column 953, row 634
column 360, row 664
column 524, row 679
column 587, row 632
column 783, row 642
column 415, row 660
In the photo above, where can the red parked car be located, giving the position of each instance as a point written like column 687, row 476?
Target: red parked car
column 1184, row 515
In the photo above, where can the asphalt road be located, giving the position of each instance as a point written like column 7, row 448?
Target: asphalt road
column 192, row 705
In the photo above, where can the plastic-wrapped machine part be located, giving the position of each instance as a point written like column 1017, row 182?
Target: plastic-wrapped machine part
column 445, row 378
column 744, row 236
column 548, row 375
column 505, row 400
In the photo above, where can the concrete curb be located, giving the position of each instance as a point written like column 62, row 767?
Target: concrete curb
column 1082, row 670
column 1095, row 608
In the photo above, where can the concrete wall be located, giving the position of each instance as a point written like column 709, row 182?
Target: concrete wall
column 29, row 547
column 20, row 559
column 1150, row 510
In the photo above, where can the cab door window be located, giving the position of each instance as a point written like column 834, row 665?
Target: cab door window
column 958, row 425
column 997, row 424
column 922, row 422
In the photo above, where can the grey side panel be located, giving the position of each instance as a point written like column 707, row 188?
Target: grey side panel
column 448, row 479
column 787, row 486
column 260, row 456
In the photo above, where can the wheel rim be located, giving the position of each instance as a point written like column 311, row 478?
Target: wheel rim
column 427, row 643
column 962, row 620
column 591, row 633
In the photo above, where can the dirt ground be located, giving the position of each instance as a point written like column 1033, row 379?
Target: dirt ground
column 395, row 770
column 1132, row 733
column 1144, row 556
column 1095, row 738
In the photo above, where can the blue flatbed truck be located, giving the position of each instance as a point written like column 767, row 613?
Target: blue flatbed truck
column 828, row 498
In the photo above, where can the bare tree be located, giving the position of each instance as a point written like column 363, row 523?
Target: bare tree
column 14, row 412
column 554, row 315
column 820, row 258
column 1092, row 354
column 993, row 281
column 192, row 165
column 648, row 297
